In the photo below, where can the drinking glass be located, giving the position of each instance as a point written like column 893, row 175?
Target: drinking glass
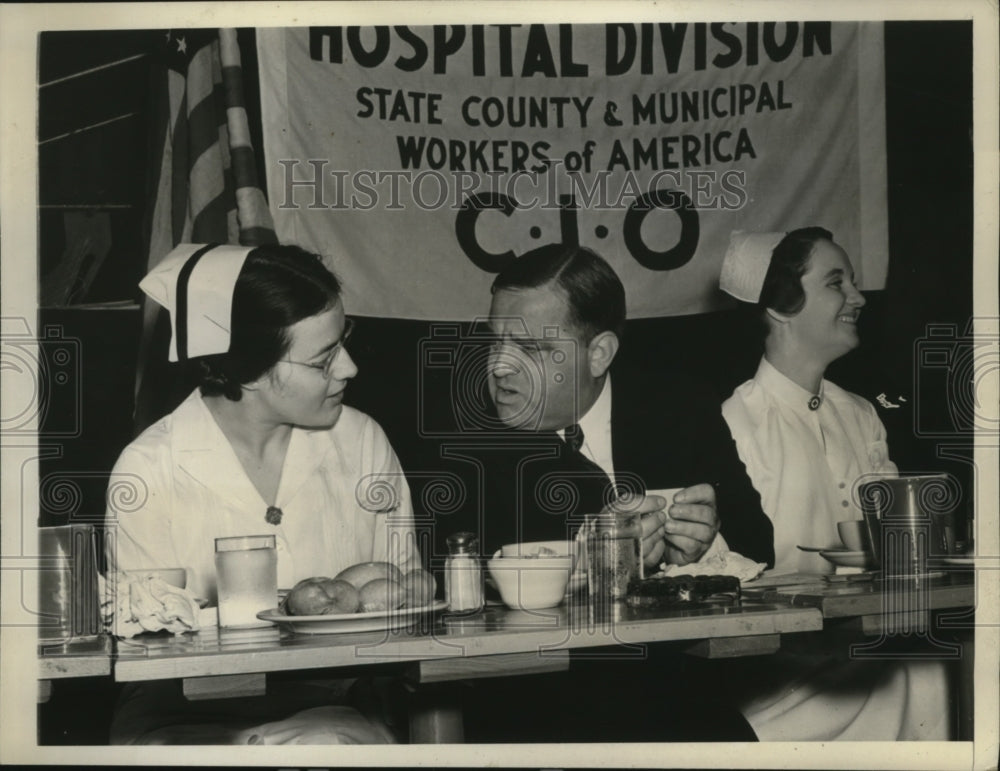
column 614, row 556
column 246, row 570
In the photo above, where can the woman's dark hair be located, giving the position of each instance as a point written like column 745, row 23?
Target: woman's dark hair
column 782, row 290
column 594, row 293
column 278, row 286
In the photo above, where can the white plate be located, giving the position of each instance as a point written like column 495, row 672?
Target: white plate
column 847, row 559
column 341, row 623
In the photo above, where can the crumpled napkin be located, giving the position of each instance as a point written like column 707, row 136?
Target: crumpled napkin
column 724, row 563
column 137, row 603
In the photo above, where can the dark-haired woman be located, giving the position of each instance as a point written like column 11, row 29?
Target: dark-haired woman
column 265, row 445
column 805, row 443
column 804, row 440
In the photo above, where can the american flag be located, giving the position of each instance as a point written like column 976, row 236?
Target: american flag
column 205, row 178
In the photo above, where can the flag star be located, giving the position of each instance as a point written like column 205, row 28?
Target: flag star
column 181, row 45
column 168, row 35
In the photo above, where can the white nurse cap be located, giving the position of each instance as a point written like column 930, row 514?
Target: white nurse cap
column 746, row 262
column 195, row 283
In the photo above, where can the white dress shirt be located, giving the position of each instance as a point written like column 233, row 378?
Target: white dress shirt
column 596, row 427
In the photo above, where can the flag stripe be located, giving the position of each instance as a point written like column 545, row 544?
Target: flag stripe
column 232, row 71
column 255, row 223
column 207, row 180
column 233, row 225
column 201, row 76
column 243, row 167
column 204, row 193
column 257, row 236
column 160, row 241
column 204, row 128
column 210, row 223
column 179, row 177
column 239, row 129
column 255, row 217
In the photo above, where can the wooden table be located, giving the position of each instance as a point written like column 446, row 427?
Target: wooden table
column 497, row 642
column 87, row 657
column 867, row 595
column 500, row 642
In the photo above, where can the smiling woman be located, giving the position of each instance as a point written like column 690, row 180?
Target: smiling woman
column 803, row 439
column 806, row 443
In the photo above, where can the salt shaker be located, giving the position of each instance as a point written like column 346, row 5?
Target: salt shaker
column 463, row 576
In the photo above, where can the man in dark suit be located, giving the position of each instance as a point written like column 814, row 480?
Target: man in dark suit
column 588, row 435
column 591, row 435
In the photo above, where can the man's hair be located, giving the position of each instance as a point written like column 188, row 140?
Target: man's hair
column 782, row 290
column 278, row 286
column 594, row 293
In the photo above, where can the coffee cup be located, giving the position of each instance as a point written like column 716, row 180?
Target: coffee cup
column 854, row 534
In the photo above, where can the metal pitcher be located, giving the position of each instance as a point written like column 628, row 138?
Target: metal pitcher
column 68, row 600
column 909, row 519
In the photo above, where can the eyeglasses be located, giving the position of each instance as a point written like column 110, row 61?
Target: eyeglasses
column 326, row 367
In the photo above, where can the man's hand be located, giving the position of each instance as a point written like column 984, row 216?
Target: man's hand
column 653, row 517
column 690, row 525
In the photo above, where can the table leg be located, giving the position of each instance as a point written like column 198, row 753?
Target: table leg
column 966, row 687
column 436, row 714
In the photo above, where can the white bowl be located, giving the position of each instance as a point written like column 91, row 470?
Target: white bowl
column 531, row 583
column 531, row 548
column 578, row 575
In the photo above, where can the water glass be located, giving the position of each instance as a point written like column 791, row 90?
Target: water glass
column 614, row 555
column 246, row 570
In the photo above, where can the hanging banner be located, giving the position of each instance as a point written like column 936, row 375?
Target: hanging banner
column 421, row 160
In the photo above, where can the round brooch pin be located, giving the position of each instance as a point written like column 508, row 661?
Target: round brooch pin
column 814, row 402
column 274, row 515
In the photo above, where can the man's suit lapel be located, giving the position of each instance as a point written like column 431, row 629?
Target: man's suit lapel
column 557, row 488
column 628, row 434
column 640, row 434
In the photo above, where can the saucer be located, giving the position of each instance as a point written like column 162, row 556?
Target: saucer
column 845, row 558
column 912, row 577
column 966, row 562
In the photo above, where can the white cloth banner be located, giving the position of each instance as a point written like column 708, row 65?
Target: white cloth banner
column 420, row 160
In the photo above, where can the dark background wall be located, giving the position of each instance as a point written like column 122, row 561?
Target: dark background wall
column 94, row 180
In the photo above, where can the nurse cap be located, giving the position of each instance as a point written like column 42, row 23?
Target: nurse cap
column 746, row 262
column 195, row 283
